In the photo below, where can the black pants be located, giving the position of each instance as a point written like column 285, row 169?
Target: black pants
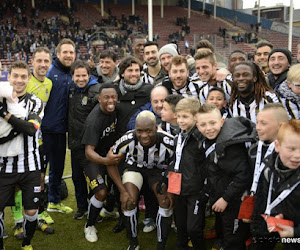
column 190, row 219
column 235, row 231
column 81, row 193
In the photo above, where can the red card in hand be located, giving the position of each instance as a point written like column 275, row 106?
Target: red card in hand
column 272, row 223
column 174, row 186
column 247, row 207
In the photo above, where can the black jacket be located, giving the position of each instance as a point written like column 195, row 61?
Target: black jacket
column 129, row 103
column 192, row 164
column 81, row 103
column 229, row 171
column 289, row 207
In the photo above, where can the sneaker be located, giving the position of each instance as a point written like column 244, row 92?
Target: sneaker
column 149, row 225
column 19, row 232
column 5, row 235
column 59, row 207
column 46, row 217
column 80, row 214
column 119, row 226
column 42, row 225
column 106, row 214
column 134, row 245
column 190, row 244
column 27, row 247
column 90, row 233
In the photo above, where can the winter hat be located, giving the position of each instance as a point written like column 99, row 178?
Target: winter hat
column 284, row 51
column 170, row 48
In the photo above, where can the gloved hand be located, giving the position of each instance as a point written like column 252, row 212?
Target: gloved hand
column 3, row 109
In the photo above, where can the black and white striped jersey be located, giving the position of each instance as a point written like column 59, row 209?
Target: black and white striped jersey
column 225, row 85
column 157, row 156
column 190, row 89
column 251, row 110
column 29, row 160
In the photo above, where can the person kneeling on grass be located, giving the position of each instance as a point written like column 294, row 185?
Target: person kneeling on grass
column 147, row 154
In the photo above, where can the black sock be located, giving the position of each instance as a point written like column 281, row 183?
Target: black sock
column 42, row 202
column 29, row 229
column 93, row 211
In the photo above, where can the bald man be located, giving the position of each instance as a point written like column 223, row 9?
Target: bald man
column 147, row 154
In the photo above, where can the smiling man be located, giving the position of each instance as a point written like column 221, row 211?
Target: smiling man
column 138, row 47
column 153, row 73
column 41, row 86
column 279, row 62
column 97, row 137
column 147, row 153
column 261, row 55
column 22, row 169
column 250, row 91
column 83, row 97
column 206, row 68
column 107, row 70
column 54, row 125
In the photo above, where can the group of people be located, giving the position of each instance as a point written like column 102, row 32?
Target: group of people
column 226, row 138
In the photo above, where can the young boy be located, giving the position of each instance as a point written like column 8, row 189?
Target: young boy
column 168, row 115
column 289, row 92
column 228, row 169
column 279, row 190
column 269, row 120
column 217, row 97
column 188, row 165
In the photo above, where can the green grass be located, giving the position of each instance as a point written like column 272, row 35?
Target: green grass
column 69, row 232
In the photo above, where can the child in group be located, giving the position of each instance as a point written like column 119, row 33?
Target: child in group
column 289, row 92
column 168, row 115
column 278, row 192
column 190, row 200
column 217, row 97
column 228, row 169
column 269, row 120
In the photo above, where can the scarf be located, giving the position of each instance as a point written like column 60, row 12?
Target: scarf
column 106, row 79
column 125, row 87
column 274, row 83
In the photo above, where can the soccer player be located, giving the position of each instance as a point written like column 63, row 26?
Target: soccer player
column 23, row 169
column 147, row 153
column 41, row 86
column 250, row 91
column 98, row 136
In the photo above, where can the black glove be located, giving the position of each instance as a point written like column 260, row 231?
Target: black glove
column 3, row 110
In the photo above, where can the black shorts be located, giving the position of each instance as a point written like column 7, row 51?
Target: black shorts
column 95, row 176
column 43, row 159
column 152, row 175
column 29, row 183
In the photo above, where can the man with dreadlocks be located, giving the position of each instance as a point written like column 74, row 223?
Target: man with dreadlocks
column 250, row 91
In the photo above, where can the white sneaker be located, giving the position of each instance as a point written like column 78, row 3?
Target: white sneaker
column 90, row 233
column 105, row 214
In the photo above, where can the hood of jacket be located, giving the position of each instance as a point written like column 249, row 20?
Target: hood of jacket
column 235, row 130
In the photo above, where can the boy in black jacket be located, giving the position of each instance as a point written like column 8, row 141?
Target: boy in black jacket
column 228, row 169
column 278, row 191
column 188, row 165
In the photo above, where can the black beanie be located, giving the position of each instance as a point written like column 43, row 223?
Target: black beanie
column 284, row 51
